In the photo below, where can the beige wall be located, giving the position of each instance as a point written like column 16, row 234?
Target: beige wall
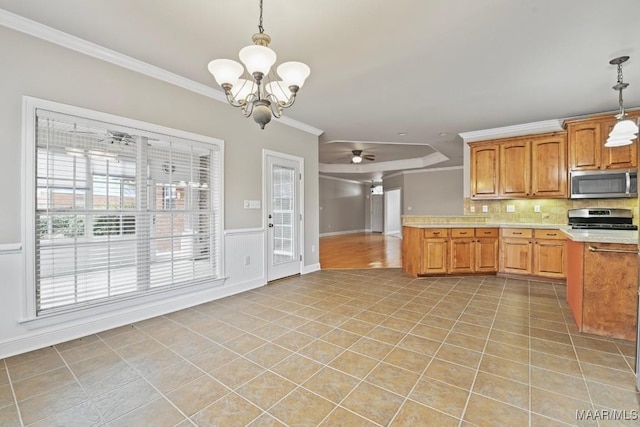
column 40, row 69
column 435, row 192
column 342, row 205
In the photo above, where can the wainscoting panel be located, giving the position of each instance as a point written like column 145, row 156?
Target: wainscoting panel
column 244, row 256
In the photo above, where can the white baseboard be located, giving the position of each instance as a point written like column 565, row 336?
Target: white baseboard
column 337, row 233
column 50, row 336
column 310, row 268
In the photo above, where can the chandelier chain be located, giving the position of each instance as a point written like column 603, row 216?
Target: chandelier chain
column 620, row 85
column 260, row 28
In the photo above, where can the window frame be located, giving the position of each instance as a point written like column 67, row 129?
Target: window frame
column 30, row 209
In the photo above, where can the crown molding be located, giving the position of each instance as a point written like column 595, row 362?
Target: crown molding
column 44, row 32
column 447, row 168
column 545, row 126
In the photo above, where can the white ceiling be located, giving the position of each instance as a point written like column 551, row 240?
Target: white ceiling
column 380, row 68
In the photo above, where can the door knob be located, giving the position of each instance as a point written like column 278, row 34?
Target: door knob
column 270, row 225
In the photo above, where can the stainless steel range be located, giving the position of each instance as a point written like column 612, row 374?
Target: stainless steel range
column 601, row 218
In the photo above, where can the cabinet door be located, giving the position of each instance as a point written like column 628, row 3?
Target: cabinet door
column 516, row 256
column 484, row 171
column 550, row 258
column 461, row 255
column 486, row 255
column 624, row 157
column 434, row 256
column 515, row 162
column 549, row 167
column 585, row 141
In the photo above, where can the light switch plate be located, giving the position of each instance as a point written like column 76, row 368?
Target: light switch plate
column 536, row 208
column 511, row 208
column 485, row 208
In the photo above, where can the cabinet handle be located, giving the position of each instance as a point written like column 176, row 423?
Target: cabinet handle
column 552, row 234
column 618, row 251
column 436, row 232
column 463, row 232
column 487, row 232
column 517, row 232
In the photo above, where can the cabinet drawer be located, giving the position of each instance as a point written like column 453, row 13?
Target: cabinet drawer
column 548, row 234
column 524, row 233
column 461, row 232
column 487, row 232
column 435, row 232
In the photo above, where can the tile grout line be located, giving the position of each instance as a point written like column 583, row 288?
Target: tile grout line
column 475, row 377
column 13, row 392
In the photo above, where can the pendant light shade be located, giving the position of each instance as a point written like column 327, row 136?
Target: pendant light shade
column 294, row 73
column 624, row 127
column 257, row 59
column 225, row 71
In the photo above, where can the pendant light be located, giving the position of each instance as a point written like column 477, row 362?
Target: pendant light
column 625, row 130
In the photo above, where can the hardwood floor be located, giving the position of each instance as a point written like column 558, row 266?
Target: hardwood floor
column 360, row 250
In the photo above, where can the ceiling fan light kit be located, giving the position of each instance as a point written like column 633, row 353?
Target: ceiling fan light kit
column 625, row 130
column 357, row 156
column 255, row 96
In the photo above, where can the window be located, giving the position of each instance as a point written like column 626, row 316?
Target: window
column 119, row 211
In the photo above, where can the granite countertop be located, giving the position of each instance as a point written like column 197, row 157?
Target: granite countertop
column 602, row 236
column 596, row 236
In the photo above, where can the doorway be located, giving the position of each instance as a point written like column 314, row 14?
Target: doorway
column 283, row 211
column 392, row 212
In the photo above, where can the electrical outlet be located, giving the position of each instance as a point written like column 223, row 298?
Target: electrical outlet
column 485, row 208
column 536, row 208
column 511, row 208
column 247, row 260
column 472, row 209
column 313, row 248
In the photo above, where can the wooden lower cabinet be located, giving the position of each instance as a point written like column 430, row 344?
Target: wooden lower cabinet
column 473, row 250
column 602, row 288
column 434, row 256
column 516, row 250
column 549, row 254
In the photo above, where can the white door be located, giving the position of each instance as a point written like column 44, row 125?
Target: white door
column 392, row 212
column 376, row 213
column 283, row 216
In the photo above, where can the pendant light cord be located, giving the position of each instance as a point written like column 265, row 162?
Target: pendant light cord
column 260, row 28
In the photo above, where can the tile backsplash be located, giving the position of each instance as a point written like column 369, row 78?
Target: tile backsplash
column 552, row 211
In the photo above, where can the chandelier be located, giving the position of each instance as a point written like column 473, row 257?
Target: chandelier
column 262, row 94
column 625, row 130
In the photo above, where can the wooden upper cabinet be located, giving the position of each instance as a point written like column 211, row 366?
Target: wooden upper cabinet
column 549, row 166
column 484, row 171
column 586, row 139
column 515, row 169
column 585, row 145
column 520, row 167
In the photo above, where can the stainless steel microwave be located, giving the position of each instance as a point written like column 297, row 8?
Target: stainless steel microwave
column 604, row 184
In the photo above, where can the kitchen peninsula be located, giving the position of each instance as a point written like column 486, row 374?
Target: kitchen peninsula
column 598, row 266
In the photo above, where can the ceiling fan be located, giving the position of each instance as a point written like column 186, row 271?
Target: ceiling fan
column 112, row 136
column 357, row 156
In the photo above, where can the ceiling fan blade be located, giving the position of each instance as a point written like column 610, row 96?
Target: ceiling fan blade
column 369, row 157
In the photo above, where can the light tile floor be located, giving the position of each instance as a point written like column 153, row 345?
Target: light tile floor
column 337, row 348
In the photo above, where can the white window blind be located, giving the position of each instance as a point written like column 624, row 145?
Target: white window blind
column 120, row 212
